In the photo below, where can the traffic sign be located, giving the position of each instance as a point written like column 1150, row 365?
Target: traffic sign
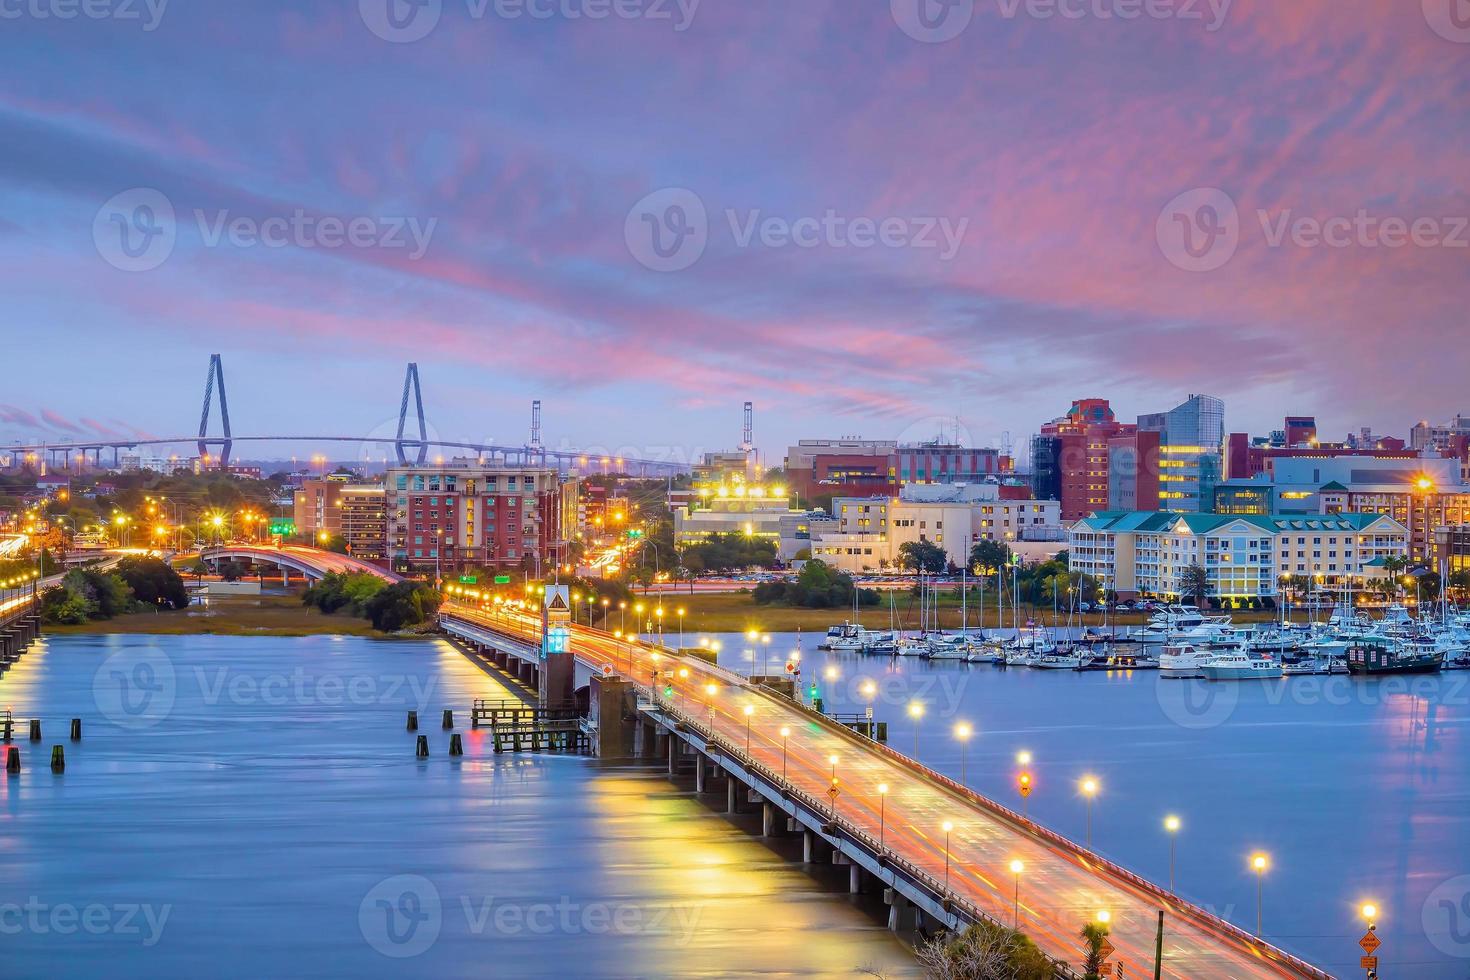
column 502, row 580
column 1368, row 962
column 1107, row 949
column 1025, row 789
column 469, row 579
column 1370, row 942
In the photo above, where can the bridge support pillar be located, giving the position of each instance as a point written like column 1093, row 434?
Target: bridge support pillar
column 732, row 798
column 854, row 879
column 700, row 767
column 768, row 820
column 809, row 847
column 673, row 748
column 607, row 704
column 902, row 915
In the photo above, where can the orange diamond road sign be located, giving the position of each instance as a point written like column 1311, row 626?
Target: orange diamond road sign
column 1370, row 942
column 1108, row 949
column 1368, row 962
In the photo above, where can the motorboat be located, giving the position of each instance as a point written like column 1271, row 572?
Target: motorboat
column 1239, row 665
column 1181, row 660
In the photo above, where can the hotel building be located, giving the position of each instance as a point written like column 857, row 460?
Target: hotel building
column 1245, row 557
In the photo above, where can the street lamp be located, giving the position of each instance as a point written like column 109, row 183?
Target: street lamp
column 1171, row 824
column 833, row 759
column 680, row 613
column 868, row 690
column 1369, row 912
column 1089, row 790
column 947, row 828
column 1016, row 868
column 785, row 734
column 963, row 731
column 1259, row 864
column 1023, row 786
column 916, row 711
column 1023, row 758
column 882, row 812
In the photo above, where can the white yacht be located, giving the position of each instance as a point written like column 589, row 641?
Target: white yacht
column 1057, row 660
column 943, row 646
column 1180, row 660
column 1239, row 665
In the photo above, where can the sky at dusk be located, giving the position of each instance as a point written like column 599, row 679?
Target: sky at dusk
column 869, row 217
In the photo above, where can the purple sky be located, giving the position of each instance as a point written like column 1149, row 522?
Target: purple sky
column 813, row 204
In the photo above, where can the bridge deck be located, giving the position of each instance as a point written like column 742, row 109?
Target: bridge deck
column 1062, row 886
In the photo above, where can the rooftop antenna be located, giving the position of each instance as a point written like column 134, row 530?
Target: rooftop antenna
column 536, row 424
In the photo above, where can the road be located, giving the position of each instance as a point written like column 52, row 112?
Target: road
column 1061, row 887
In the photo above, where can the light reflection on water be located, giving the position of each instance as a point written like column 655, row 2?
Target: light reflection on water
column 1358, row 788
column 264, row 811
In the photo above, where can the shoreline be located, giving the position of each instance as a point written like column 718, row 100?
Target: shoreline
column 268, row 615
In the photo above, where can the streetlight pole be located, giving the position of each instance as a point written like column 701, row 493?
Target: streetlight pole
column 749, row 711
column 1259, row 863
column 963, row 731
column 916, row 712
column 785, row 734
column 947, row 828
column 1089, row 790
column 1016, row 868
column 1171, row 824
column 882, row 813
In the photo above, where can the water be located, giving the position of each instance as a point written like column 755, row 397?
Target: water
column 1358, row 789
column 239, row 807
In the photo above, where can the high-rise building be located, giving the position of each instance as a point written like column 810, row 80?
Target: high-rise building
column 1447, row 437
column 466, row 513
column 363, row 517
column 1191, row 436
column 1087, row 459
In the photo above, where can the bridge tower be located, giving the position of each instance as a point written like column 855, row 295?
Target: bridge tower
column 411, row 381
column 215, row 379
column 536, row 424
column 747, row 444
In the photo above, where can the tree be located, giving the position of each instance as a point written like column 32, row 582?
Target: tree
column 1194, row 583
column 922, row 556
column 988, row 556
column 819, row 586
column 1095, row 934
column 984, row 951
column 154, row 582
column 402, row 605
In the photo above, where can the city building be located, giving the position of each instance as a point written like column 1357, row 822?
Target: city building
column 363, row 520
column 1089, row 461
column 870, row 531
column 1447, row 437
column 1244, row 557
column 757, row 512
column 856, row 467
column 1189, row 457
column 1246, row 458
column 1451, row 549
column 317, row 507
column 717, row 466
column 466, row 513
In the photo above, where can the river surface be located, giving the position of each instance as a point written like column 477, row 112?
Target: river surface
column 1357, row 789
column 252, row 807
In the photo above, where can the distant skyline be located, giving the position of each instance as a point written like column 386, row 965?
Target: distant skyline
column 866, row 223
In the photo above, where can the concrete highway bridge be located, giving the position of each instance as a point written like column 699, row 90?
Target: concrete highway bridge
column 310, row 563
column 886, row 819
